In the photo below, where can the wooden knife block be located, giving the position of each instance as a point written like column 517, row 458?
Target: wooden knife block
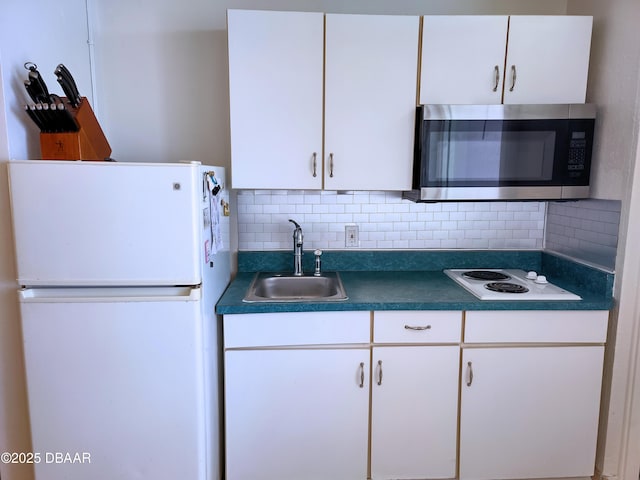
column 88, row 143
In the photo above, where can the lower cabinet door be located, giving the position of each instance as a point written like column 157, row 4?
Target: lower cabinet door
column 529, row 412
column 414, row 412
column 296, row 414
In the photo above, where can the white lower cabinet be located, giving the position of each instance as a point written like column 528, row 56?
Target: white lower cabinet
column 297, row 414
column 297, row 395
column 414, row 394
column 414, row 412
column 388, row 395
column 530, row 403
column 529, row 412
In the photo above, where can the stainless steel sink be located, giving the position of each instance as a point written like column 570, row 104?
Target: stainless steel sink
column 277, row 287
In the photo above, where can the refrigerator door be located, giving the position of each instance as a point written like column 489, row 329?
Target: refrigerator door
column 115, row 382
column 104, row 223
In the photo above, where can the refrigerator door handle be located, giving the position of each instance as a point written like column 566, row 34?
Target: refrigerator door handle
column 109, row 294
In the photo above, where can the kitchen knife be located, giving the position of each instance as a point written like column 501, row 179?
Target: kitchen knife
column 33, row 116
column 68, row 84
column 30, row 91
column 37, row 85
column 67, row 119
column 67, row 73
column 43, row 118
column 35, row 91
column 50, row 118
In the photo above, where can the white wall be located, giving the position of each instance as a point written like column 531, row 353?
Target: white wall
column 60, row 37
column 46, row 33
column 162, row 67
column 614, row 85
column 14, row 436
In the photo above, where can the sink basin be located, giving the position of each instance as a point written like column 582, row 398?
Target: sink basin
column 278, row 287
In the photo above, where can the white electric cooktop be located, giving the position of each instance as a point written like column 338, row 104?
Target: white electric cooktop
column 508, row 284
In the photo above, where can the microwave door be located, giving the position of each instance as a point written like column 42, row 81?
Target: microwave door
column 489, row 153
column 501, row 158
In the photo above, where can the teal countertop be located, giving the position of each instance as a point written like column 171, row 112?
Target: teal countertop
column 406, row 280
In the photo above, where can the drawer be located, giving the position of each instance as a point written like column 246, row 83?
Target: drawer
column 539, row 326
column 411, row 326
column 301, row 328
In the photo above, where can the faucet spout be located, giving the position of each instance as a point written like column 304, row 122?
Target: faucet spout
column 297, row 249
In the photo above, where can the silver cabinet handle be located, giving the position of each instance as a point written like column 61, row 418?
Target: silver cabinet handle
column 379, row 372
column 496, row 70
column 411, row 327
column 331, row 165
column 361, row 374
column 469, row 374
column 513, row 78
column 315, row 164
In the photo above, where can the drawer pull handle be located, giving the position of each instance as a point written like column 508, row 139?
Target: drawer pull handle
column 361, row 374
column 469, row 374
column 379, row 372
column 412, row 327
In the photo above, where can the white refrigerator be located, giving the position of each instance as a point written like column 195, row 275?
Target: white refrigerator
column 120, row 266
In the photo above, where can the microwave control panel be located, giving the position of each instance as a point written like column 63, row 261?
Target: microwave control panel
column 576, row 161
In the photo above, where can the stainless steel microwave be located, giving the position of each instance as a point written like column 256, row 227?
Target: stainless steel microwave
column 502, row 152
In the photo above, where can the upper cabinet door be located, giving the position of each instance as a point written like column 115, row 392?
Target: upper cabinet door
column 370, row 88
column 550, row 58
column 275, row 83
column 462, row 59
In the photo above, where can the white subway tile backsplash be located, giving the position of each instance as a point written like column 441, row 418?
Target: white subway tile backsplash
column 385, row 220
column 585, row 229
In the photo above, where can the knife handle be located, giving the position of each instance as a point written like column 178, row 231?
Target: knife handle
column 32, row 116
column 38, row 84
column 68, row 84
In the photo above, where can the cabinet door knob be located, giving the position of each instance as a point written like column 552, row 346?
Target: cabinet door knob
column 379, row 372
column 361, row 374
column 513, row 78
column 469, row 374
column 315, row 164
column 496, row 70
column 331, row 165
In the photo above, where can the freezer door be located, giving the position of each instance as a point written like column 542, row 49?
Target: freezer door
column 118, row 381
column 105, row 223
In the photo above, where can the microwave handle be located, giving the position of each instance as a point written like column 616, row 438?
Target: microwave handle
column 513, row 78
column 496, row 70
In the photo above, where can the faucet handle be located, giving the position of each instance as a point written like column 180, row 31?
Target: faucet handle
column 317, row 271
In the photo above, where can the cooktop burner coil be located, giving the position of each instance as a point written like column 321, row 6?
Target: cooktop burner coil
column 487, row 275
column 505, row 287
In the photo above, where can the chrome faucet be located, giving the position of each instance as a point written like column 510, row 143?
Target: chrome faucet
column 297, row 249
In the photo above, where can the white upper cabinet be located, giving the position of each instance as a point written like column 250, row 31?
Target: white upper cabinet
column 370, row 87
column 500, row 59
column 463, row 59
column 275, row 90
column 549, row 56
column 276, row 80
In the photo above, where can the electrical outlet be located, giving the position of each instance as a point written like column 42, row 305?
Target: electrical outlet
column 351, row 236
